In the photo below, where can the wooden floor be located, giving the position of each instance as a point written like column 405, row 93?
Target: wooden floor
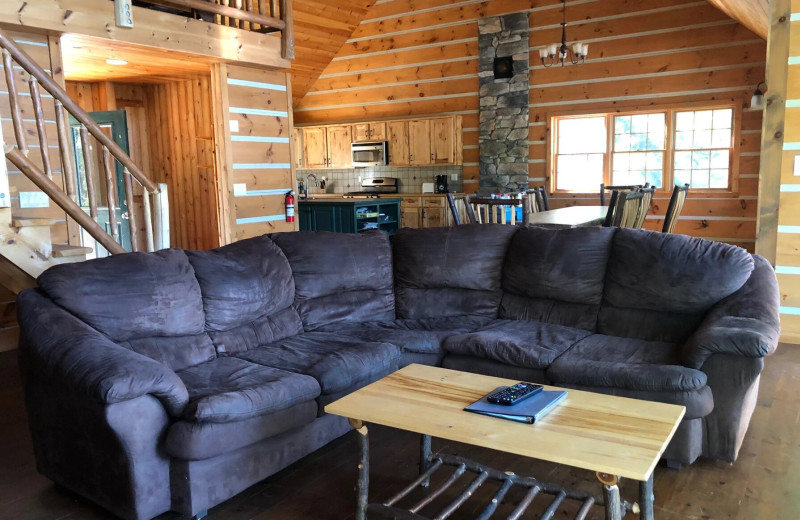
column 762, row 484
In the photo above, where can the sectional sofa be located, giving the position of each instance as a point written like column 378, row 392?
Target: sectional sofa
column 174, row 380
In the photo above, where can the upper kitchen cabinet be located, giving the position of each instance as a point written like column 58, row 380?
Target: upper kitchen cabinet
column 327, row 146
column 398, row 142
column 368, row 132
column 434, row 141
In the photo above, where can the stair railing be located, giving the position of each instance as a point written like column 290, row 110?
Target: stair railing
column 156, row 230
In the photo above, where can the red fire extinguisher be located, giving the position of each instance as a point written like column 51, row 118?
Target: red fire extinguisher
column 289, row 206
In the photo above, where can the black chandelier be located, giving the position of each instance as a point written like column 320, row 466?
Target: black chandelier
column 555, row 53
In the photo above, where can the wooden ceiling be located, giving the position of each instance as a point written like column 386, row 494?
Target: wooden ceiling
column 321, row 28
column 84, row 59
column 753, row 14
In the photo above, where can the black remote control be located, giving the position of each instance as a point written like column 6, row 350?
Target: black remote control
column 514, row 394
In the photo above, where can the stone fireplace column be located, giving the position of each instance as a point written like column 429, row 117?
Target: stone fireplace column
column 503, row 78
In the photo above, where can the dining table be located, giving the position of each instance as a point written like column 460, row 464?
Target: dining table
column 571, row 216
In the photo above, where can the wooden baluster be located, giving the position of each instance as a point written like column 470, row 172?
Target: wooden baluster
column 67, row 167
column 273, row 8
column 131, row 210
column 111, row 193
column 287, row 35
column 88, row 167
column 39, row 115
column 148, row 220
column 13, row 102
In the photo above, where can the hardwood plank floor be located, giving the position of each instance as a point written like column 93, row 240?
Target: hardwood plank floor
column 762, row 484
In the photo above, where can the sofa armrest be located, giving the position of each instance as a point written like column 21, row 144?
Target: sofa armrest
column 58, row 347
column 746, row 323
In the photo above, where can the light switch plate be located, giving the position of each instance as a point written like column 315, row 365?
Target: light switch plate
column 234, row 125
column 797, row 165
column 239, row 189
column 453, row 176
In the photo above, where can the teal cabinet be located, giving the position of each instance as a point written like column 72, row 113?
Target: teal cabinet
column 349, row 215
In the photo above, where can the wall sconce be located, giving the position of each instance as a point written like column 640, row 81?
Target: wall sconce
column 757, row 101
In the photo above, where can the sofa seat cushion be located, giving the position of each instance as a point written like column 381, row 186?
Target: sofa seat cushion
column 529, row 344
column 421, row 336
column 337, row 362
column 202, row 440
column 633, row 368
column 230, row 389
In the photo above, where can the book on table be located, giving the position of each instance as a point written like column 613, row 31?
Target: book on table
column 528, row 410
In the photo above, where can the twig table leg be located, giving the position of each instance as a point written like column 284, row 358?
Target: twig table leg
column 611, row 495
column 363, row 468
column 646, row 499
column 424, row 457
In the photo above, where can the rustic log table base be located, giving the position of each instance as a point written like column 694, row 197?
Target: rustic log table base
column 615, row 508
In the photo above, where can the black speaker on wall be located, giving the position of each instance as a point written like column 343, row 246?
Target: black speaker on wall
column 503, row 67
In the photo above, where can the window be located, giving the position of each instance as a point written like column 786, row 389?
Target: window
column 662, row 147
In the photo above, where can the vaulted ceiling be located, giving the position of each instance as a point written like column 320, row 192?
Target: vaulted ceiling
column 321, row 27
column 753, row 14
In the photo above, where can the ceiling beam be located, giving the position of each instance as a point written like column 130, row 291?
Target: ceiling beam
column 753, row 14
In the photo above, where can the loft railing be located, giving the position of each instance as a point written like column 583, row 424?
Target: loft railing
column 263, row 16
column 89, row 134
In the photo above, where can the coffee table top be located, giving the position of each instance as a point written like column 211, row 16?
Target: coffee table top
column 614, row 435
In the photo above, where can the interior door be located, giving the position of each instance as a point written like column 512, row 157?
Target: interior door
column 115, row 125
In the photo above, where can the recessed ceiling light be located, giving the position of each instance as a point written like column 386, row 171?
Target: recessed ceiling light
column 113, row 61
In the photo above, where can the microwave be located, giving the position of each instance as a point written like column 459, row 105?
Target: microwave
column 369, row 154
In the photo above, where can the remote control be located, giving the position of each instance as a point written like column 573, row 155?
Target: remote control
column 514, row 394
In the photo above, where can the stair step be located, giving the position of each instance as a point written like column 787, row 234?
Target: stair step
column 64, row 250
column 32, row 221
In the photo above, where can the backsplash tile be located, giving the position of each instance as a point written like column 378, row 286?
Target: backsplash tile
column 410, row 179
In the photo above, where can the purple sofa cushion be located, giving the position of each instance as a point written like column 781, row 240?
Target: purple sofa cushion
column 133, row 295
column 230, row 389
column 556, row 276
column 266, row 329
column 340, row 277
column 339, row 363
column 176, row 352
column 242, row 282
column 528, row 344
column 450, row 271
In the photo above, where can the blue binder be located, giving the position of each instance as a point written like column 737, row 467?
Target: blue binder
column 528, row 411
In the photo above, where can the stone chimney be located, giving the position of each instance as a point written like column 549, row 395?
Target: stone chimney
column 503, row 76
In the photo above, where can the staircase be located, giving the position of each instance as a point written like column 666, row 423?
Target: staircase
column 84, row 194
column 38, row 110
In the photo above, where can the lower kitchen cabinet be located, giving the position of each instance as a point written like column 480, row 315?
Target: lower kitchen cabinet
column 424, row 211
column 349, row 215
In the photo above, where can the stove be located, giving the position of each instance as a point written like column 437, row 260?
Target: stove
column 376, row 186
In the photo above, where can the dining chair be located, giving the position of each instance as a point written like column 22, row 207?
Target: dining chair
column 614, row 189
column 623, row 209
column 497, row 211
column 674, row 208
column 644, row 205
column 454, row 203
column 538, row 199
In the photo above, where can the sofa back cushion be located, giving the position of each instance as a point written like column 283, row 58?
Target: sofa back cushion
column 556, row 276
column 177, row 352
column 130, row 296
column 450, row 271
column 339, row 277
column 659, row 286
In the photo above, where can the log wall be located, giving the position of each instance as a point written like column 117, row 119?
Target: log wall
column 404, row 61
column 254, row 155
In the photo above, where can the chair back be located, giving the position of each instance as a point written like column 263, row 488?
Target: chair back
column 674, row 208
column 451, row 202
column 614, row 189
column 497, row 211
column 537, row 198
column 623, row 209
column 644, row 206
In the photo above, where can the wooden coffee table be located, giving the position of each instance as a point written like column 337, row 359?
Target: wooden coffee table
column 613, row 436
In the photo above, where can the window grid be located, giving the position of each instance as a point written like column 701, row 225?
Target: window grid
column 679, row 160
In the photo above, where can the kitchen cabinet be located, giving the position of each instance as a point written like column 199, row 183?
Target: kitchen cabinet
column 442, row 140
column 434, row 141
column 424, row 211
column 369, row 132
column 327, row 146
column 298, row 154
column 419, row 142
column 349, row 215
column 398, row 143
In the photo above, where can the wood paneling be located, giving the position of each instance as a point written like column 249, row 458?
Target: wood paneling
column 179, row 116
column 407, row 60
column 253, row 131
column 753, row 14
